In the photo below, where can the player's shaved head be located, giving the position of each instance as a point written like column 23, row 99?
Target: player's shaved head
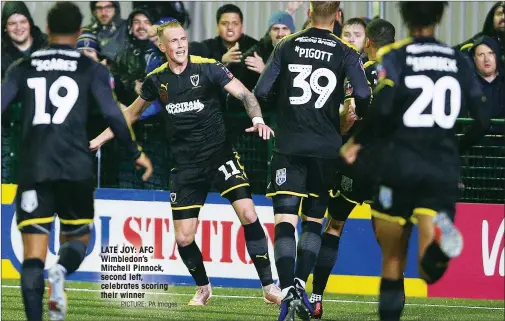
column 323, row 12
column 422, row 14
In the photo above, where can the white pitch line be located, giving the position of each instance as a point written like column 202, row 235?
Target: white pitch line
column 257, row 297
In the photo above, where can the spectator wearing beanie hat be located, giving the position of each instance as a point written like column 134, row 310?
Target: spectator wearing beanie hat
column 88, row 44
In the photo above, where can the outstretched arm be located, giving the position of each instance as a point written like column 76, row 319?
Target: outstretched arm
column 239, row 91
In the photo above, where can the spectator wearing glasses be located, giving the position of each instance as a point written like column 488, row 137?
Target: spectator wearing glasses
column 110, row 29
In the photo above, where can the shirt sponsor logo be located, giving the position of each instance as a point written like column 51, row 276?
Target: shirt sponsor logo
column 184, row 107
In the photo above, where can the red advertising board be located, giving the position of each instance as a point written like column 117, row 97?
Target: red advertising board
column 478, row 272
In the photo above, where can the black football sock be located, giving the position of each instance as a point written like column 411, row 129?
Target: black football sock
column 257, row 247
column 193, row 259
column 308, row 249
column 285, row 253
column 72, row 253
column 32, row 288
column 325, row 262
column 390, row 300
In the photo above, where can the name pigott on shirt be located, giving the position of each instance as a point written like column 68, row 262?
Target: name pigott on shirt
column 313, row 53
column 55, row 64
column 183, row 107
column 432, row 63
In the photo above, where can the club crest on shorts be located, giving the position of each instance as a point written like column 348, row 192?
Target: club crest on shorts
column 346, row 183
column 386, row 197
column 195, row 80
column 280, row 176
column 29, row 201
column 173, row 197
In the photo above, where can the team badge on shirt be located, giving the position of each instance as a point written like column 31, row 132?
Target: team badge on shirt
column 195, row 80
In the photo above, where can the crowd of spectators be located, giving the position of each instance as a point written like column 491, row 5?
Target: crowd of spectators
column 129, row 48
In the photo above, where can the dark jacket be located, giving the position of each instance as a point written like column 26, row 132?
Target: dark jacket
column 114, row 37
column 487, row 30
column 248, row 77
column 214, row 48
column 9, row 52
column 130, row 64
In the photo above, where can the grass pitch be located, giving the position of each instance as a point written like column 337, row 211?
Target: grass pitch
column 239, row 304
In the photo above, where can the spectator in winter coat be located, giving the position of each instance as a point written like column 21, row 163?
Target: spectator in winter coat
column 20, row 36
column 489, row 69
column 110, row 29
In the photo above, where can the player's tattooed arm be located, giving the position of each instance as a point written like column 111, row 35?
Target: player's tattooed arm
column 239, row 91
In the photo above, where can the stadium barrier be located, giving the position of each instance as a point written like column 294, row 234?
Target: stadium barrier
column 483, row 166
column 143, row 218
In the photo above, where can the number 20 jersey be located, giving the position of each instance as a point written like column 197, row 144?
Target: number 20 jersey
column 423, row 85
column 308, row 69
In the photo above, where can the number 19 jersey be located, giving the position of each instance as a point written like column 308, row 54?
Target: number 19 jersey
column 57, row 87
column 306, row 74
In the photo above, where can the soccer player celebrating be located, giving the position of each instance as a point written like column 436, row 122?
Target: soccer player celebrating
column 189, row 89
column 57, row 87
column 303, row 72
column 354, row 184
column 423, row 84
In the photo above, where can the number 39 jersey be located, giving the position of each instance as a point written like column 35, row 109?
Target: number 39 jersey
column 422, row 87
column 306, row 74
column 57, row 87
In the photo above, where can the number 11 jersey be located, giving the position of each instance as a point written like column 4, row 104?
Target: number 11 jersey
column 306, row 74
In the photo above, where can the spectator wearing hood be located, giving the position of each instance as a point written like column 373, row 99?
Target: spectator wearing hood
column 20, row 36
column 129, row 68
column 485, row 52
column 494, row 27
column 108, row 26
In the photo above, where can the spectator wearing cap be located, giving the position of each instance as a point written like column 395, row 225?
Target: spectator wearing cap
column 489, row 69
column 20, row 36
column 88, row 44
column 110, row 29
column 129, row 71
column 129, row 68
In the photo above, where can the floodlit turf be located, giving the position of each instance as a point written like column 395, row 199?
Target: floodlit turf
column 241, row 304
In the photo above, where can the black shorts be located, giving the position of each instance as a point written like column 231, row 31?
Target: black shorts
column 410, row 186
column 355, row 185
column 72, row 201
column 190, row 186
column 303, row 177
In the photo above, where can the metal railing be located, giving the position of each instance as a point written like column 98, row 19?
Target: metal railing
column 482, row 170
